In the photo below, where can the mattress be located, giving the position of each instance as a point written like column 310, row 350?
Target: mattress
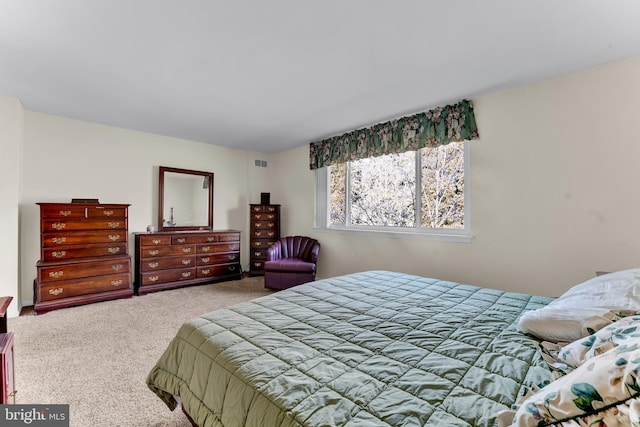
column 375, row 348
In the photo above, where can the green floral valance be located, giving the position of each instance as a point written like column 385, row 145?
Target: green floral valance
column 431, row 128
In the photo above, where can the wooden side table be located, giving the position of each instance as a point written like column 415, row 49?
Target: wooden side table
column 8, row 391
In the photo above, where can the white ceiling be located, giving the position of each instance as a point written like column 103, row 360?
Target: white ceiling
column 268, row 75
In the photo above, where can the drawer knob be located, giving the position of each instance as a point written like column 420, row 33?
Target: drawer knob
column 65, row 213
column 186, row 274
column 153, row 264
column 186, row 250
column 59, row 225
column 206, row 248
column 154, row 252
column 107, row 213
column 113, row 224
column 59, row 240
column 59, row 254
column 211, row 239
column 116, row 267
column 186, row 261
column 117, row 282
column 156, row 241
column 181, row 240
column 206, row 272
column 114, row 250
column 56, row 274
column 114, row 237
column 206, row 259
column 56, row 291
column 154, row 278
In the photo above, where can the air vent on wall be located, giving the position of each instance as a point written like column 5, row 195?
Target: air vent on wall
column 260, row 163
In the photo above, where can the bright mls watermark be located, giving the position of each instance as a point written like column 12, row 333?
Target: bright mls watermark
column 34, row 415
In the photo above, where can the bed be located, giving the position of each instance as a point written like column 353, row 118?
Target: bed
column 375, row 348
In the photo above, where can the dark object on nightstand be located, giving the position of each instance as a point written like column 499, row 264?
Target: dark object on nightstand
column 291, row 261
column 8, row 391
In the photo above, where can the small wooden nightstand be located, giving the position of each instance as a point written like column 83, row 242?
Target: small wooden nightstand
column 8, row 391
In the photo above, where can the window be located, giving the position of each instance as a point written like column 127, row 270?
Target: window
column 379, row 194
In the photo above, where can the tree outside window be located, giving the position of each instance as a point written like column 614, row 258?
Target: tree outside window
column 381, row 191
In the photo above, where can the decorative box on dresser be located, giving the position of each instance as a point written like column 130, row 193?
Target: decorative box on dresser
column 167, row 260
column 84, row 255
column 265, row 229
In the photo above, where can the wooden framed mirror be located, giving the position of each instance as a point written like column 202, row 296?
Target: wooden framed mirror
column 185, row 199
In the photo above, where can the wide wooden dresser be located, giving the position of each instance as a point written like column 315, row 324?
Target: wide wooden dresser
column 173, row 259
column 84, row 255
column 265, row 230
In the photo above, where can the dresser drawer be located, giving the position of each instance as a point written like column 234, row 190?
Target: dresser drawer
column 71, row 288
column 160, row 251
column 265, row 208
column 78, row 270
column 218, row 258
column 180, row 240
column 167, row 263
column 106, row 212
column 66, row 211
column 78, row 225
column 264, row 234
column 264, row 225
column 264, row 217
column 165, row 276
column 219, row 247
column 258, row 253
column 155, row 240
column 261, row 244
column 55, row 239
column 257, row 264
column 218, row 270
column 229, row 237
column 73, row 252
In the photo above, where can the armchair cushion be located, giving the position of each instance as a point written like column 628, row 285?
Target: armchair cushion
column 291, row 264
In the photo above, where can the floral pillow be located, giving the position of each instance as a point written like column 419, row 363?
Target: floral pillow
column 578, row 352
column 603, row 391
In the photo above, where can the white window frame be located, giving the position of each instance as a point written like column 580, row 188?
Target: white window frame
column 322, row 218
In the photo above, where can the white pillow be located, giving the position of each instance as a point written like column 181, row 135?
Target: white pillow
column 585, row 308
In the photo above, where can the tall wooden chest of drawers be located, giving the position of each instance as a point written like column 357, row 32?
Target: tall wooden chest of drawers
column 84, row 255
column 265, row 230
column 167, row 260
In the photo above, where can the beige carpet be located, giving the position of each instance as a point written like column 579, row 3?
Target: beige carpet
column 96, row 357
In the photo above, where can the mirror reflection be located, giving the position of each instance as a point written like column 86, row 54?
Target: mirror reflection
column 185, row 199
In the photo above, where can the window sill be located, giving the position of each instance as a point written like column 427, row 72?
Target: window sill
column 446, row 236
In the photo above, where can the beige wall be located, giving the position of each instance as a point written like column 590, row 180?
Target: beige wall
column 11, row 123
column 552, row 186
column 67, row 158
column 553, row 191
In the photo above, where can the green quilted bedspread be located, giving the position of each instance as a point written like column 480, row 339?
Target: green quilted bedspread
column 376, row 348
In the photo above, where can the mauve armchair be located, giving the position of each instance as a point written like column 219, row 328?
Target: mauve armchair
column 291, row 261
